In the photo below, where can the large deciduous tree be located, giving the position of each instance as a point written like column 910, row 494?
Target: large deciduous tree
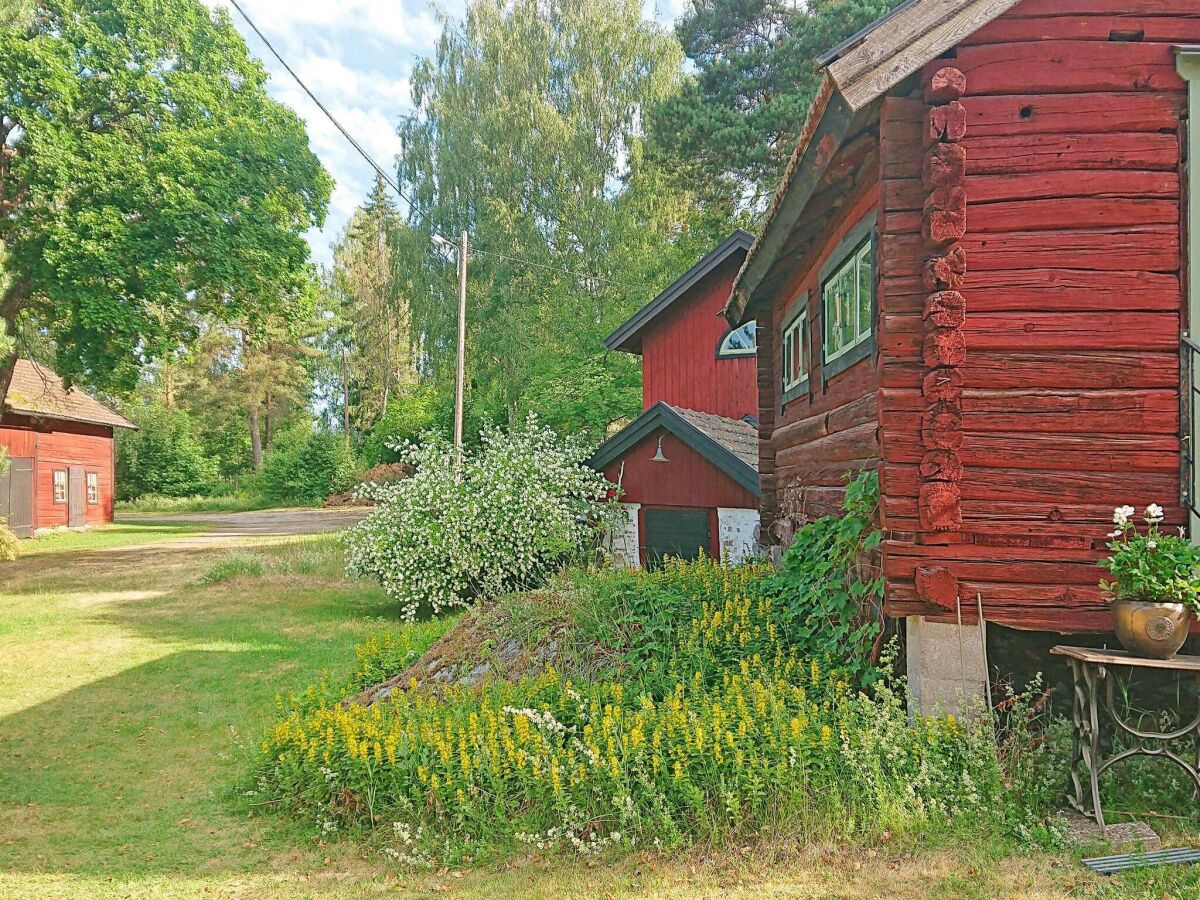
column 528, row 133
column 146, row 181
column 738, row 116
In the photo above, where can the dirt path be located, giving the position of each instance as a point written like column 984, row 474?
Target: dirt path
column 222, row 527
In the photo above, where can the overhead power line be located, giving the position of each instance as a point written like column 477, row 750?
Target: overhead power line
column 390, row 182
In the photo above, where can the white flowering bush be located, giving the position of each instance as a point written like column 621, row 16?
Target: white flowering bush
column 515, row 510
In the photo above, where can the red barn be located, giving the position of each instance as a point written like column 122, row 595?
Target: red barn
column 687, row 466
column 974, row 278
column 60, row 448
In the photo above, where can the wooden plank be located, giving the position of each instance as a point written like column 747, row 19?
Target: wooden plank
column 1071, row 213
column 1038, row 8
column 1067, row 67
column 1153, row 248
column 912, row 36
column 1028, row 154
column 981, row 483
column 1171, row 29
column 1178, row 663
column 1050, row 331
column 859, row 442
column 1062, row 452
column 1104, row 112
column 1070, row 412
column 1066, row 290
column 1089, row 518
column 909, row 195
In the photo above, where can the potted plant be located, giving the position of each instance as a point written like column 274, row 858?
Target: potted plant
column 1155, row 584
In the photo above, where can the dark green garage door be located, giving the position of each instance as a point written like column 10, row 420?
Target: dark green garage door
column 681, row 533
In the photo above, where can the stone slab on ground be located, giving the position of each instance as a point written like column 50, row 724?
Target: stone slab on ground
column 1122, row 837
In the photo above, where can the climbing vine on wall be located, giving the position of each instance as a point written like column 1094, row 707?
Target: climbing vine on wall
column 830, row 581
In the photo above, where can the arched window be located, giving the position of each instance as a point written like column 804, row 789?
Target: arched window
column 739, row 342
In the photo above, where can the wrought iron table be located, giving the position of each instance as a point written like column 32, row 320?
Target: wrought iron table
column 1090, row 669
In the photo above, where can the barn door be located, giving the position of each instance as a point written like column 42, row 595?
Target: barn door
column 76, row 498
column 681, row 533
column 16, row 496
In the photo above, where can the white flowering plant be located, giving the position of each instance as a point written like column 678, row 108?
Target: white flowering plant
column 1147, row 564
column 513, row 511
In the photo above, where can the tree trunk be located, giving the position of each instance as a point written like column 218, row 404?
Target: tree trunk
column 346, row 392
column 10, row 308
column 256, row 449
column 266, row 437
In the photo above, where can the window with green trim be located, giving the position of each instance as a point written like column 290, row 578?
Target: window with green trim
column 795, row 355
column 847, row 303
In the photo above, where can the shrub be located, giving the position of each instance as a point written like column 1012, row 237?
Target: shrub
column 8, row 542
column 748, row 735
column 509, row 515
column 304, row 466
column 163, row 456
column 406, row 418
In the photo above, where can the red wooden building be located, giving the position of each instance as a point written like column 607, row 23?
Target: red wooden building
column 687, row 466
column 974, row 278
column 60, row 448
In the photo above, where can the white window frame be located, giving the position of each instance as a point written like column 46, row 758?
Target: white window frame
column 60, row 482
column 724, row 352
column 862, row 331
column 794, row 341
column 92, row 480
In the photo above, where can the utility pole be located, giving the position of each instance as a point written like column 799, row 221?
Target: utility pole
column 460, row 372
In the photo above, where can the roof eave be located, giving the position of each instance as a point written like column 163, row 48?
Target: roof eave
column 627, row 337
column 661, row 415
column 63, row 417
column 827, row 126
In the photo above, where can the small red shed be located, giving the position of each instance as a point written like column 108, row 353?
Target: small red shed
column 974, row 279
column 687, row 466
column 60, row 448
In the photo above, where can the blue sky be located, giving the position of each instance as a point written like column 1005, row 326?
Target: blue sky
column 356, row 55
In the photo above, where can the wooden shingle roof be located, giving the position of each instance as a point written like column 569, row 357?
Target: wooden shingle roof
column 855, row 73
column 38, row 391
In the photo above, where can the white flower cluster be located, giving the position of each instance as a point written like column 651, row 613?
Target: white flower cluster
column 408, row 853
column 513, row 510
column 544, row 721
column 1123, row 518
column 569, row 833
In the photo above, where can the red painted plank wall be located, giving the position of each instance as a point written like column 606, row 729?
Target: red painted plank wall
column 679, row 349
column 1073, row 300
column 814, row 441
column 688, row 479
column 59, row 445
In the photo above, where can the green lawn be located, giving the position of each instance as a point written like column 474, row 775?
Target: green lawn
column 132, row 693
column 104, row 537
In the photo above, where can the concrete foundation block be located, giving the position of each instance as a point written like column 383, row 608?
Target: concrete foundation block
column 946, row 669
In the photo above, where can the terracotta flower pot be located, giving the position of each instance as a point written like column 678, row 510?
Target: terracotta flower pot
column 1150, row 629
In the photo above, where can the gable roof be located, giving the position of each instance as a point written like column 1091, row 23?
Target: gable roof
column 38, row 391
column 729, row 444
column 628, row 336
column 856, row 72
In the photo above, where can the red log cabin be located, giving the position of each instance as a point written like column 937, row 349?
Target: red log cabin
column 975, row 278
column 60, row 447
column 686, row 467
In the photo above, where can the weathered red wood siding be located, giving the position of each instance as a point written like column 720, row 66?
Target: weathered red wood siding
column 1073, row 306
column 59, row 445
column 809, row 444
column 688, row 479
column 679, row 353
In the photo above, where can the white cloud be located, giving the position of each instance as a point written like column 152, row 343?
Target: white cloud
column 356, row 56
